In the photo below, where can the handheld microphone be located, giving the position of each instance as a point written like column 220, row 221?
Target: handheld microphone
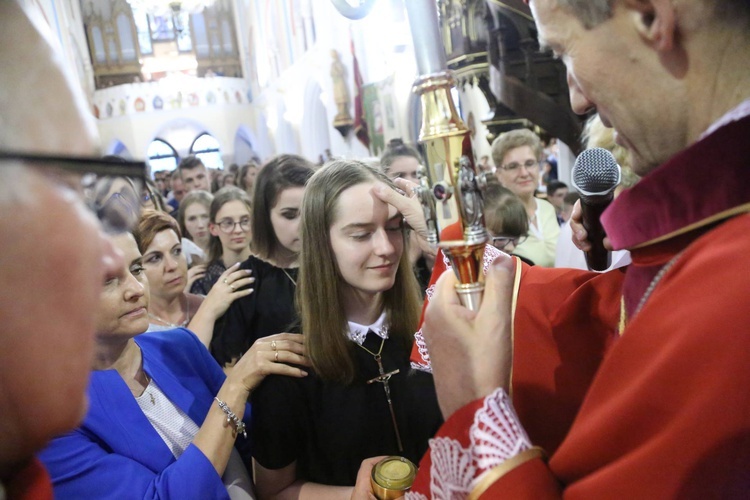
column 595, row 175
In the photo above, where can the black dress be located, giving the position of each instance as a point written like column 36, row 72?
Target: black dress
column 266, row 311
column 328, row 428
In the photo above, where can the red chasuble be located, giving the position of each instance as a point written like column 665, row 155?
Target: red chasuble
column 662, row 410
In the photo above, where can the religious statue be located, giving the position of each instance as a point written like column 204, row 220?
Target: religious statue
column 342, row 120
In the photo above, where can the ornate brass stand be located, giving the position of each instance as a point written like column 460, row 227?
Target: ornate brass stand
column 450, row 172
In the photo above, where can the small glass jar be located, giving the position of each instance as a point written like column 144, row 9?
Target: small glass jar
column 392, row 477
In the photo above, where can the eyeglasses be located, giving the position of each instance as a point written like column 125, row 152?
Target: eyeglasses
column 228, row 225
column 513, row 167
column 117, row 211
column 500, row 242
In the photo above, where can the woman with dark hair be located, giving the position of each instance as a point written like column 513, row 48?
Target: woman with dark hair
column 400, row 160
column 163, row 420
column 231, row 237
column 276, row 244
column 359, row 306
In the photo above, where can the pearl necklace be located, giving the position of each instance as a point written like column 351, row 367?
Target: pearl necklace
column 167, row 323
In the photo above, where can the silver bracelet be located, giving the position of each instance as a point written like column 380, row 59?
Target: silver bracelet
column 239, row 425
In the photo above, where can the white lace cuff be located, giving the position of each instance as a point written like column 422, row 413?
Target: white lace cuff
column 495, row 436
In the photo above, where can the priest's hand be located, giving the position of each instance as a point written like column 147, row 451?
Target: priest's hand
column 471, row 352
column 580, row 235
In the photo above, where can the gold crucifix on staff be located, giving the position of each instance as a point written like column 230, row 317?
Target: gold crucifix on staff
column 383, row 378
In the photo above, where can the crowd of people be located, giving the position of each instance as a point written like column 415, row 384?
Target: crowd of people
column 261, row 333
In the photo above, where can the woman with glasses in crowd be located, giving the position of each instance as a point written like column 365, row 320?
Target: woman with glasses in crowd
column 163, row 420
column 359, row 306
column 276, row 244
column 159, row 241
column 231, row 236
column 517, row 155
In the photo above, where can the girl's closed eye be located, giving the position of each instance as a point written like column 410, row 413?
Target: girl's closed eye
column 361, row 236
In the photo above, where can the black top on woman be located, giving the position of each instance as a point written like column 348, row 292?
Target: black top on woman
column 279, row 188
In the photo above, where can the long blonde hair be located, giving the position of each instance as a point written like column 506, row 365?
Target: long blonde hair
column 320, row 286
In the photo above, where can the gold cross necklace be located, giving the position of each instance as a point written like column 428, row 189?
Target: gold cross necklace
column 384, row 378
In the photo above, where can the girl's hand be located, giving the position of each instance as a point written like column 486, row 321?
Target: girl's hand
column 363, row 488
column 231, row 285
column 410, row 207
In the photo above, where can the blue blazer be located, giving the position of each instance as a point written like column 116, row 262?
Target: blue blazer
column 116, row 453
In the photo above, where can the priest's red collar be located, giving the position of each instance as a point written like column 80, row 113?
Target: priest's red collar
column 707, row 182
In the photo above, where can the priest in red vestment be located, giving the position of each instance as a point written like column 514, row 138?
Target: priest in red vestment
column 619, row 385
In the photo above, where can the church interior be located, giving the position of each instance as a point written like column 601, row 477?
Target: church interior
column 237, row 80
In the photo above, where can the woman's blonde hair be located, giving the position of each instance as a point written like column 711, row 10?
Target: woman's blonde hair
column 320, row 287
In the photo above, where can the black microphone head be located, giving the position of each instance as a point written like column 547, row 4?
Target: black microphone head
column 595, row 174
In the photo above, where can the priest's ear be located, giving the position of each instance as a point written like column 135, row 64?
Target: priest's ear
column 655, row 21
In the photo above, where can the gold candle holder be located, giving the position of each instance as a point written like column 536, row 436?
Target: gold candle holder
column 451, row 177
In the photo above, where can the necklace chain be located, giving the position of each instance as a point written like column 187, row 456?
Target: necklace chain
column 376, row 356
column 289, row 276
column 384, row 378
column 652, row 286
column 167, row 323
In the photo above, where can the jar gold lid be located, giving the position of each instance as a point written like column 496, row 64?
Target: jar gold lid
column 394, row 473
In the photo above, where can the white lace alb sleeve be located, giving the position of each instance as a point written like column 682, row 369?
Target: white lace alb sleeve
column 495, row 436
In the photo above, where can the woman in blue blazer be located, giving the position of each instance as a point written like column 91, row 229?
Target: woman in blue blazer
column 164, row 421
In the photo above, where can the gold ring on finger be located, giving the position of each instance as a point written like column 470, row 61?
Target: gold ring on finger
column 273, row 345
column 276, row 357
column 225, row 281
column 232, row 287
